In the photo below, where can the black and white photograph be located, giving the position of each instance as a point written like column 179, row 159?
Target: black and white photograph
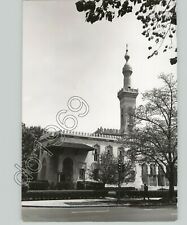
column 99, row 111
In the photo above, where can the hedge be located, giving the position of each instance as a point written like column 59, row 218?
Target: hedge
column 81, row 185
column 63, row 194
column 90, row 185
column 122, row 188
column 140, row 194
column 39, row 185
column 84, row 194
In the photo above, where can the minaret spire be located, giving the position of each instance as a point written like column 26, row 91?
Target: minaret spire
column 126, row 54
column 127, row 71
column 127, row 96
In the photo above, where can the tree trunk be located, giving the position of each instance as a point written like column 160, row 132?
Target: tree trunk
column 119, row 186
column 171, row 183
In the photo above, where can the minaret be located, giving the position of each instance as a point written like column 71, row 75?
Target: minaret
column 127, row 97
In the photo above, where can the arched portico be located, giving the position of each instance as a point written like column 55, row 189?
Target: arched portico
column 67, row 170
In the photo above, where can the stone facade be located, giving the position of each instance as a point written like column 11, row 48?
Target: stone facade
column 80, row 151
column 69, row 156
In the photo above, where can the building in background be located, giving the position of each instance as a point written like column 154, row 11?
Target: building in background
column 72, row 154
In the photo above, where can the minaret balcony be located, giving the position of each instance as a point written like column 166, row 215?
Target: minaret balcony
column 131, row 92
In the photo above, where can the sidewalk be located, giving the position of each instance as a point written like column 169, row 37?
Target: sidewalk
column 106, row 202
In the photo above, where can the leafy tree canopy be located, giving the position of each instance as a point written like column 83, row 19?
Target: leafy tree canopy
column 29, row 146
column 158, row 19
column 109, row 171
column 155, row 136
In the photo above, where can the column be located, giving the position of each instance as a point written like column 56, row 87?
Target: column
column 156, row 175
column 138, row 177
column 148, row 174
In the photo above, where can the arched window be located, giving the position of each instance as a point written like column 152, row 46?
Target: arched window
column 109, row 150
column 96, row 174
column 152, row 177
column 82, row 174
column 152, row 170
column 161, row 176
column 95, row 170
column 130, row 119
column 144, row 173
column 122, row 116
column 68, row 169
column 96, row 152
column 121, row 153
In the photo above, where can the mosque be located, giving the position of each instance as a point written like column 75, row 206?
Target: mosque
column 72, row 154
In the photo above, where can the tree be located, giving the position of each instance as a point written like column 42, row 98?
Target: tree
column 29, row 150
column 112, row 171
column 158, row 19
column 155, row 136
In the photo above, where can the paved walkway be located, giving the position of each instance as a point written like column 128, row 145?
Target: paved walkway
column 69, row 202
column 106, row 202
column 99, row 214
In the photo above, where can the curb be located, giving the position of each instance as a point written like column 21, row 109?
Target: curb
column 112, row 205
column 74, row 206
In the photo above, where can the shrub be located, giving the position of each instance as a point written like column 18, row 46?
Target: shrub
column 52, row 186
column 140, row 194
column 64, row 186
column 122, row 188
column 38, row 185
column 90, row 185
column 24, row 188
column 63, row 194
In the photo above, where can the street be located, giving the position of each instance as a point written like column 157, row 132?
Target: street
column 102, row 214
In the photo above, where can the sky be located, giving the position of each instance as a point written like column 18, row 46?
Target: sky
column 64, row 56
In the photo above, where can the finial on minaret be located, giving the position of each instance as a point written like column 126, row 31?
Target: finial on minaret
column 126, row 54
column 127, row 97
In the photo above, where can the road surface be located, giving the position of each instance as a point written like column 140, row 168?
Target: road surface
column 102, row 214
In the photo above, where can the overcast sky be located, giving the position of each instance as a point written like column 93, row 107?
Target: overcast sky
column 64, row 56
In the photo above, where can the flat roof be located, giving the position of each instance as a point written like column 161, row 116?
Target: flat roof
column 72, row 145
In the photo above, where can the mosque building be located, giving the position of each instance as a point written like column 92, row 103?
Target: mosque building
column 72, row 154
